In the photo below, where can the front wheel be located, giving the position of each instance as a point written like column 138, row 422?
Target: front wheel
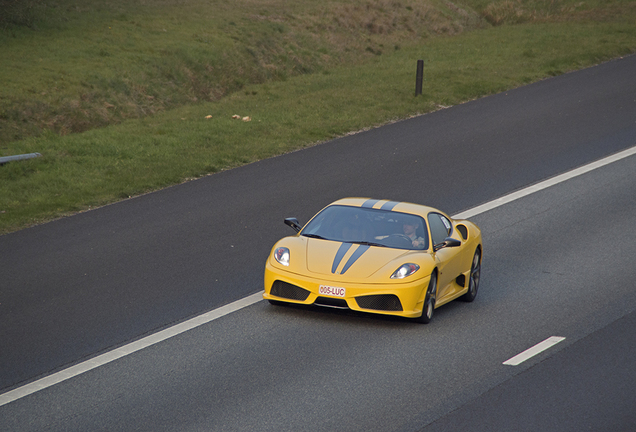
column 429, row 301
column 475, row 274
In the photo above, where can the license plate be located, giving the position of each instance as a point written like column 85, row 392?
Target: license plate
column 331, row 291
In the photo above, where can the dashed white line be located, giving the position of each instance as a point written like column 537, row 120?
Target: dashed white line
column 207, row 317
column 531, row 352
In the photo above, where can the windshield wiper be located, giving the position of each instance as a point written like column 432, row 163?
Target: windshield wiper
column 367, row 243
column 316, row 236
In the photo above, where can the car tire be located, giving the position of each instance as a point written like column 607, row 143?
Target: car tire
column 429, row 301
column 473, row 278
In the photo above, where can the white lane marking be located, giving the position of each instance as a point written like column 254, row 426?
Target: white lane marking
column 130, row 348
column 545, row 184
column 205, row 318
column 531, row 352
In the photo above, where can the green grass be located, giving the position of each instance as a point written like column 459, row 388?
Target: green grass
column 336, row 93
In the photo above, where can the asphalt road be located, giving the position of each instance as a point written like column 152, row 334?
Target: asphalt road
column 82, row 285
column 556, row 263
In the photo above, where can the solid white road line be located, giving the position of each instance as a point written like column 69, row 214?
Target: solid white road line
column 545, row 184
column 130, row 348
column 531, row 352
column 207, row 317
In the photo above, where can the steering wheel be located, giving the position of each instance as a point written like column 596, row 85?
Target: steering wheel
column 403, row 240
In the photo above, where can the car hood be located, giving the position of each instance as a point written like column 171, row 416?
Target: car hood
column 349, row 260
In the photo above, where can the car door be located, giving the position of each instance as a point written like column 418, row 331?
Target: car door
column 448, row 258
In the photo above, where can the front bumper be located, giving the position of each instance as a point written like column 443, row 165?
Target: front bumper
column 393, row 298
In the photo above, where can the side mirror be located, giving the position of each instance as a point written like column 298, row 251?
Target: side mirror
column 448, row 242
column 293, row 222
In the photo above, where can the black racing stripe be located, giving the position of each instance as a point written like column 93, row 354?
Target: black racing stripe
column 370, row 203
column 353, row 258
column 339, row 255
column 389, row 205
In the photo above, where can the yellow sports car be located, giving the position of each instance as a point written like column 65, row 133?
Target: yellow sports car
column 378, row 256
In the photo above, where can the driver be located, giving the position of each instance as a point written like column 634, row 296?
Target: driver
column 410, row 230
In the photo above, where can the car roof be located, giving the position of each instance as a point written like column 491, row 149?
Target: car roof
column 403, row 207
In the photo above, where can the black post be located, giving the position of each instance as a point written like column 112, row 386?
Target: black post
column 419, row 77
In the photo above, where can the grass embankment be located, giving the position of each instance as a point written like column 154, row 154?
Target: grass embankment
column 121, row 101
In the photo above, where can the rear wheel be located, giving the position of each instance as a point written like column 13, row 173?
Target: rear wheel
column 475, row 275
column 429, row 301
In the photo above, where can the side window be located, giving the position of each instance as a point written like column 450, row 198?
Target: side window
column 447, row 224
column 440, row 227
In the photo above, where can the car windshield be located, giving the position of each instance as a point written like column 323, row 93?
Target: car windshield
column 374, row 227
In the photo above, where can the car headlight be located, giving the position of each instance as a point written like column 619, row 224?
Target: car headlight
column 405, row 270
column 281, row 255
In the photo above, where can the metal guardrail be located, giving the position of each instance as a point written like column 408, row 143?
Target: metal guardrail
column 5, row 159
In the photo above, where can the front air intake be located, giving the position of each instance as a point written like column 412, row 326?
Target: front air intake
column 383, row 302
column 289, row 291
